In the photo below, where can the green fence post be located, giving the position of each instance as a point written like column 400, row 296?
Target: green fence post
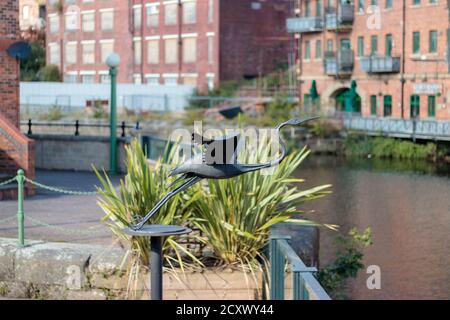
column 20, row 213
column 277, row 264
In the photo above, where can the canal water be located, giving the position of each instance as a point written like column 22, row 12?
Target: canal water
column 407, row 205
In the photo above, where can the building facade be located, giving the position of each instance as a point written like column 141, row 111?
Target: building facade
column 377, row 58
column 31, row 17
column 195, row 42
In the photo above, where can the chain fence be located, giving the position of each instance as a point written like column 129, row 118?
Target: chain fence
column 61, row 190
column 4, row 183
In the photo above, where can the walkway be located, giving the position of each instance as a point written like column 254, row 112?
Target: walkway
column 66, row 218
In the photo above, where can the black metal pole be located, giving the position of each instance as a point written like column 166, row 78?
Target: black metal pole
column 156, row 268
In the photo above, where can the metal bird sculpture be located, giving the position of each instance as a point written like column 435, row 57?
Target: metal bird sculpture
column 218, row 161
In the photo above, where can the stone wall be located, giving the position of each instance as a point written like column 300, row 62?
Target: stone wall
column 74, row 271
column 79, row 153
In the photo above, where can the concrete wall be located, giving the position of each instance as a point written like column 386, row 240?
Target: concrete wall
column 65, row 152
column 130, row 96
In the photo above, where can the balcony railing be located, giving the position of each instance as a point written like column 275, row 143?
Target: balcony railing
column 304, row 24
column 375, row 64
column 339, row 63
column 342, row 19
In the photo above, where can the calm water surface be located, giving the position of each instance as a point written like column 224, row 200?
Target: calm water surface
column 407, row 205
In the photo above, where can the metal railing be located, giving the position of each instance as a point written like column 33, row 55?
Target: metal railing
column 400, row 128
column 339, row 63
column 77, row 125
column 376, row 64
column 344, row 16
column 305, row 286
column 304, row 24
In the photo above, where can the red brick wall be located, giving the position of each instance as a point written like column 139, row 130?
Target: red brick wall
column 16, row 150
column 423, row 68
column 252, row 40
column 9, row 83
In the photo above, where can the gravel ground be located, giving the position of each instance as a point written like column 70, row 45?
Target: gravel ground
column 72, row 218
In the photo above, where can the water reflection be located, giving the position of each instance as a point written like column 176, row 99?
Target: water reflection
column 407, row 205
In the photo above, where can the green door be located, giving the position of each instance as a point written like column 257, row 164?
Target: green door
column 387, row 106
column 431, row 106
column 373, row 105
column 415, row 106
column 345, row 43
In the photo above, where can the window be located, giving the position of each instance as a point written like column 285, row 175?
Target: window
column 70, row 78
column 361, row 5
column 388, row 45
column 318, row 8
column 416, row 42
column 171, row 50
column 374, row 45
column 360, row 46
column 307, row 8
column 190, row 81
column 137, row 51
column 210, row 11
column 373, row 105
column 388, row 4
column 54, row 24
column 210, row 82
column 105, row 78
column 137, row 79
column 170, row 14
column 71, row 53
column 171, row 80
column 153, row 15
column 189, row 50
column 318, row 49
column 190, row 12
column 71, row 21
column 415, row 106
column 210, row 49
column 152, row 79
column 137, row 16
column 329, row 45
column 307, row 55
column 25, row 12
column 433, row 42
column 387, row 106
column 416, row 2
column 87, row 78
column 153, row 52
column 106, row 48
column 88, row 52
column 54, row 54
column 88, row 22
column 431, row 106
column 107, row 20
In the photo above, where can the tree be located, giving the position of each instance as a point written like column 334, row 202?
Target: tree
column 29, row 69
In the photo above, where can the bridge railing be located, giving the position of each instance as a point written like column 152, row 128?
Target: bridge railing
column 402, row 128
column 305, row 286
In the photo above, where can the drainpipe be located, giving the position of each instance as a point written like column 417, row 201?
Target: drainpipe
column 180, row 41
column 402, row 75
column 299, row 52
column 142, row 40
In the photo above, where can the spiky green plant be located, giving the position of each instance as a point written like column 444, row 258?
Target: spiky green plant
column 136, row 195
column 235, row 214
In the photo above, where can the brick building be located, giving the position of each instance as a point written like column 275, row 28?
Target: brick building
column 394, row 53
column 16, row 150
column 195, row 42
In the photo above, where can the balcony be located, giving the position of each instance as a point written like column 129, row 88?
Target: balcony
column 304, row 24
column 342, row 19
column 339, row 63
column 375, row 64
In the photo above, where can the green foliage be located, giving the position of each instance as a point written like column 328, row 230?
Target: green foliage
column 29, row 69
column 50, row 73
column 324, row 129
column 137, row 194
column 99, row 112
column 235, row 215
column 54, row 114
column 202, row 101
column 381, row 147
column 348, row 262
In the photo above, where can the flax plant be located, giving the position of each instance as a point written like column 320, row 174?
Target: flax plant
column 235, row 215
column 136, row 195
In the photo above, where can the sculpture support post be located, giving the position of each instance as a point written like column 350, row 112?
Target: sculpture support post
column 156, row 268
column 157, row 234
column 113, row 122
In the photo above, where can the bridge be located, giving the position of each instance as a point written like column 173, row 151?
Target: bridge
column 400, row 128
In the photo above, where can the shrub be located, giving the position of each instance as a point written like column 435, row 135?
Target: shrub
column 50, row 73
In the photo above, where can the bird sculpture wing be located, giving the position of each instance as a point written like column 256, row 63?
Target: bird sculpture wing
column 222, row 150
